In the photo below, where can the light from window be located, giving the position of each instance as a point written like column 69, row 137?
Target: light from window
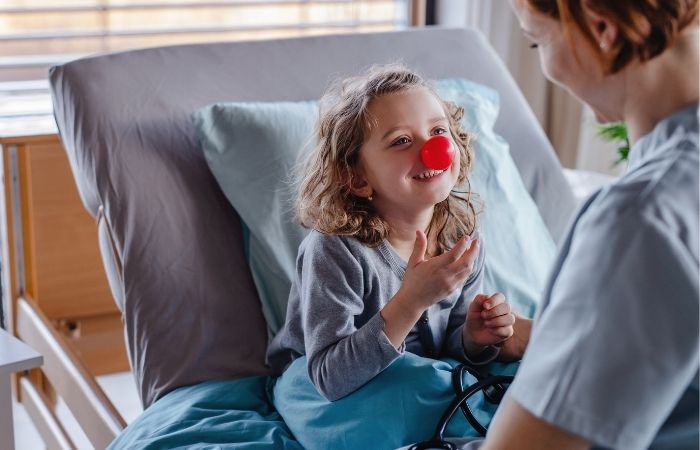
column 36, row 34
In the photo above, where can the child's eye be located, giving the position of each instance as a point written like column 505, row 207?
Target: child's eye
column 533, row 45
column 401, row 141
column 439, row 130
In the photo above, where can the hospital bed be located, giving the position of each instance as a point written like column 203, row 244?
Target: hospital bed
column 170, row 241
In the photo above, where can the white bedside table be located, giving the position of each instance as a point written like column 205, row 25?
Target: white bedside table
column 15, row 356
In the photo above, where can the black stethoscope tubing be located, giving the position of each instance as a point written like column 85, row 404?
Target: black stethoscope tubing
column 460, row 402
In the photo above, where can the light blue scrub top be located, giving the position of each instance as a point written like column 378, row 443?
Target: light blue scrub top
column 614, row 351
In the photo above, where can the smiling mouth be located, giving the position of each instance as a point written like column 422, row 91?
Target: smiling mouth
column 428, row 174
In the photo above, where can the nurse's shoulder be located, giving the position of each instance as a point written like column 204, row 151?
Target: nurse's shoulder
column 660, row 187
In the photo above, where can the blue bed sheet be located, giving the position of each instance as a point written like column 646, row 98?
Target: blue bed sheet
column 400, row 406
column 221, row 414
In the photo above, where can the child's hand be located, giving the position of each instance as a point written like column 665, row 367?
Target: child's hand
column 427, row 281
column 489, row 322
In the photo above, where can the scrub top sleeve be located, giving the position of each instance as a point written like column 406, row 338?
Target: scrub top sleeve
column 616, row 344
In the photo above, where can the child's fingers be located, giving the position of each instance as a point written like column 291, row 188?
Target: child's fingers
column 453, row 255
column 498, row 310
column 477, row 305
column 495, row 300
column 481, row 298
column 502, row 332
column 468, row 258
column 419, row 249
column 505, row 320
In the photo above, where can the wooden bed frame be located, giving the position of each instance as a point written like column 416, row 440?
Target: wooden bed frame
column 56, row 293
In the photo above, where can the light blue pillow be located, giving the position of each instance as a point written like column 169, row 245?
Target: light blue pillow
column 251, row 149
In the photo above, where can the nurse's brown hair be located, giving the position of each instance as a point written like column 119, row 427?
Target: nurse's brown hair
column 646, row 27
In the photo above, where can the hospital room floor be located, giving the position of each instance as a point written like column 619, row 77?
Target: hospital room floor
column 119, row 387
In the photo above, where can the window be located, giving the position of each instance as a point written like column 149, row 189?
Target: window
column 36, row 34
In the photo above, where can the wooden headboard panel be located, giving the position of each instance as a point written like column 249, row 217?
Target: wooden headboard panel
column 55, row 291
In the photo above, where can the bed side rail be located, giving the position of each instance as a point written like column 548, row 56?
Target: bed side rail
column 86, row 400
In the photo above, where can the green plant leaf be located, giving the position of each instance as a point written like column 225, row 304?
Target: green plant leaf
column 622, row 154
column 613, row 131
column 616, row 132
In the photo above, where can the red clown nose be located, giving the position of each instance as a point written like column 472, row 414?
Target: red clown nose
column 437, row 153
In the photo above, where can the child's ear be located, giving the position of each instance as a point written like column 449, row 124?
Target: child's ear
column 359, row 186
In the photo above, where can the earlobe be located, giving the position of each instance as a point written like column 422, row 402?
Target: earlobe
column 604, row 31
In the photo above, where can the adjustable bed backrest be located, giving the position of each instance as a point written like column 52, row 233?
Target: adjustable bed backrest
column 170, row 241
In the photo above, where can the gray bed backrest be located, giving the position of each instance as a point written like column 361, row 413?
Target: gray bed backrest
column 190, row 308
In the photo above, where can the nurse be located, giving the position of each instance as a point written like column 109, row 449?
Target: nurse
column 613, row 356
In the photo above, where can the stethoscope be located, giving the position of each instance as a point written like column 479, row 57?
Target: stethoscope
column 493, row 387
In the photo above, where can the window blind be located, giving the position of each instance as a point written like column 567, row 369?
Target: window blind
column 36, row 34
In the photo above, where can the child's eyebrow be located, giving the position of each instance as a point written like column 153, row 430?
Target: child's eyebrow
column 391, row 130
column 438, row 119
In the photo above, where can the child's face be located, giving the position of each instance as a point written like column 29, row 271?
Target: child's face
column 390, row 162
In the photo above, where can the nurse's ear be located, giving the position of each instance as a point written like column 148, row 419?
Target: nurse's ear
column 604, row 30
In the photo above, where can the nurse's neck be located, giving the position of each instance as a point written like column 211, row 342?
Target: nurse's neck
column 662, row 86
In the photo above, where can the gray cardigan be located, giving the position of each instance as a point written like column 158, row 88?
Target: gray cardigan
column 333, row 315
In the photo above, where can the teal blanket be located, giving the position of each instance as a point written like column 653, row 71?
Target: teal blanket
column 400, row 406
column 221, row 414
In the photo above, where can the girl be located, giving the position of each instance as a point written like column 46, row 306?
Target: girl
column 393, row 262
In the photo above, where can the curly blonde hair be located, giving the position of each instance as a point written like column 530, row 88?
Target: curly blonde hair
column 325, row 201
